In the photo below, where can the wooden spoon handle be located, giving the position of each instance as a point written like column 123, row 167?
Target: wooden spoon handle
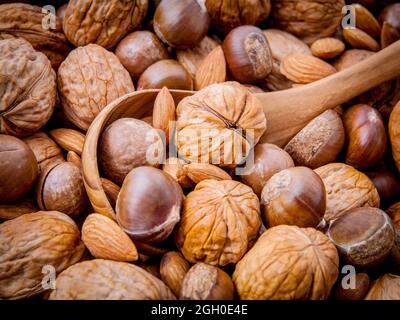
column 288, row 111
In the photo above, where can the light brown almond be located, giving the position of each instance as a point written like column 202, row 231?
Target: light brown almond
column 360, row 40
column 366, row 21
column 175, row 168
column 68, row 139
column 74, row 158
column 106, row 240
column 164, row 112
column 327, row 48
column 305, row 69
column 173, row 268
column 111, row 189
column 211, row 70
column 389, row 35
column 202, row 171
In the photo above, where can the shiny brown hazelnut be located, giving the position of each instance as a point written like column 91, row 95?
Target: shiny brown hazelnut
column 248, row 54
column 391, row 14
column 294, row 196
column 181, row 23
column 366, row 136
column 165, row 73
column 126, row 144
column 148, row 205
column 139, row 50
column 60, row 188
column 268, row 160
column 389, row 34
column 175, row 168
column 18, row 168
column 364, row 237
column 357, row 293
column 318, row 143
column 206, row 282
column 387, row 184
column 173, row 269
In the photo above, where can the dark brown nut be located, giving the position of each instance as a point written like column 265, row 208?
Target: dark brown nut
column 366, row 21
column 109, row 280
column 248, row 54
column 226, row 15
column 18, row 168
column 31, row 242
column 60, row 13
column 268, row 160
column 359, row 39
column 307, row 19
column 394, row 133
column 165, row 73
column 288, row 262
column 60, row 188
column 13, row 210
column 84, row 90
column 126, row 144
column 365, row 135
column 327, row 48
column 391, row 14
column 205, row 282
column 227, row 111
column 45, row 149
column 148, row 205
column 181, row 23
column 358, row 293
column 346, row 188
column 152, row 266
column 102, row 22
column 175, row 168
column 364, row 237
column 318, row 143
column 294, row 196
column 191, row 59
column 27, row 21
column 219, row 221
column 350, row 58
column 389, row 35
column 387, row 184
column 386, row 287
column 173, row 269
column 111, row 189
column 28, row 88
column 139, row 50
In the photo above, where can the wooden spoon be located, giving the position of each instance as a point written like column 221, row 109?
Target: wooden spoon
column 287, row 111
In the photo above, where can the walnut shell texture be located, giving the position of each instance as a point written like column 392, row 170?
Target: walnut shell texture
column 386, row 287
column 219, row 221
column 30, row 242
column 109, row 280
column 28, row 88
column 288, row 262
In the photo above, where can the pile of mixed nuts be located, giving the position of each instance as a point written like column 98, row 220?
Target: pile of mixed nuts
column 111, row 189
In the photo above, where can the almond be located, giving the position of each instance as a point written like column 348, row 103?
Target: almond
column 111, row 189
column 68, row 139
column 360, row 40
column 106, row 240
column 173, row 269
column 164, row 112
column 203, row 171
column 211, row 70
column 305, row 69
column 389, row 35
column 366, row 21
column 327, row 48
column 175, row 168
column 74, row 158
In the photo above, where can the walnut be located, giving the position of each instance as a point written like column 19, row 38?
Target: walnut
column 27, row 88
column 219, row 221
column 89, row 79
column 308, row 19
column 219, row 124
column 103, row 22
column 386, row 287
column 288, row 262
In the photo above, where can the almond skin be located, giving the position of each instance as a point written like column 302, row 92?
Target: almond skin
column 106, row 240
column 305, row 69
column 211, row 70
column 389, row 34
column 203, row 171
column 366, row 21
column 327, row 48
column 164, row 112
column 74, row 158
column 359, row 39
column 68, row 139
column 111, row 189
column 173, row 269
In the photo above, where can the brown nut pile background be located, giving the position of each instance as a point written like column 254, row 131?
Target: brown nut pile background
column 189, row 225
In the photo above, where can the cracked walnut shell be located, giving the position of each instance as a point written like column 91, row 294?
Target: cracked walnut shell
column 288, row 262
column 219, row 221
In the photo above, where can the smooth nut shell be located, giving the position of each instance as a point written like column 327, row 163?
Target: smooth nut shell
column 352, row 294
column 173, row 269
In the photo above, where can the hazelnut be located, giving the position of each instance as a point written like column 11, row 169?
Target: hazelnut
column 387, row 287
column 387, row 184
column 219, row 221
column 18, row 168
column 294, row 196
column 128, row 143
column 205, row 282
column 139, row 50
column 173, row 268
column 288, row 262
column 148, row 205
column 357, row 293
column 318, row 143
column 181, row 23
column 175, row 168
column 366, row 136
column 248, row 54
column 268, row 160
column 165, row 73
column 363, row 236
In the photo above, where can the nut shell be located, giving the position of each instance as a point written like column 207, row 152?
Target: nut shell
column 173, row 269
column 387, row 287
column 358, row 293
